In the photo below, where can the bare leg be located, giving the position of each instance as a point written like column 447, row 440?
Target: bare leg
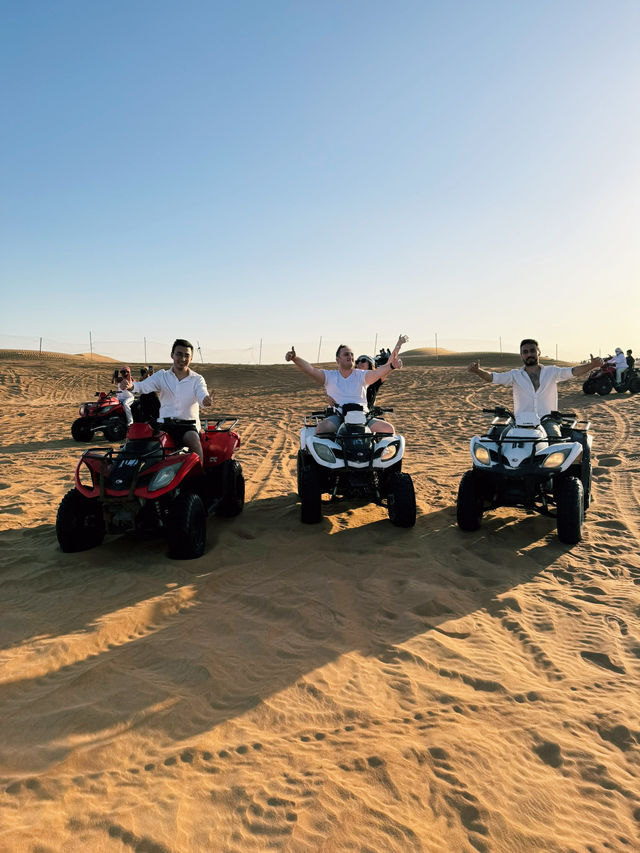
column 379, row 426
column 326, row 426
column 192, row 440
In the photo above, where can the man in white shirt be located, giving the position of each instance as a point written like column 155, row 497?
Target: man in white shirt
column 535, row 387
column 347, row 385
column 181, row 392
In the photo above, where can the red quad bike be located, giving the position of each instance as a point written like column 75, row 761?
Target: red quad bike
column 152, row 485
column 603, row 380
column 105, row 413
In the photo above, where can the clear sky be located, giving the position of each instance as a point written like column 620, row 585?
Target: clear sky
column 230, row 171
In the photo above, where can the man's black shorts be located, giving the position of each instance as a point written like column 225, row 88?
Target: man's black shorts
column 177, row 430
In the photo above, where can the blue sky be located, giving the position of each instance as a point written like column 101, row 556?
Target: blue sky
column 284, row 170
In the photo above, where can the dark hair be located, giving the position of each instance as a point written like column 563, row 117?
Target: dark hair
column 342, row 346
column 180, row 342
column 629, row 352
column 529, row 341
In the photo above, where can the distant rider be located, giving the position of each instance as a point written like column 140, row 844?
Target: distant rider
column 535, row 386
column 181, row 391
column 124, row 396
column 347, row 384
column 630, row 360
column 620, row 363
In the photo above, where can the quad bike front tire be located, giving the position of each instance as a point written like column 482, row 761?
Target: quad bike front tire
column 469, row 502
column 634, row 385
column 232, row 500
column 401, row 500
column 115, row 429
column 79, row 522
column 187, row 528
column 310, row 495
column 81, row 430
column 570, row 510
column 589, row 386
column 604, row 386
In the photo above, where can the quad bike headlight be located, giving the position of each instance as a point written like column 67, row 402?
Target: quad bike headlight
column 389, row 451
column 325, row 453
column 83, row 410
column 555, row 459
column 163, row 477
column 481, row 455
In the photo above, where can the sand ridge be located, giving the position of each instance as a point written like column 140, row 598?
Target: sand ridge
column 346, row 686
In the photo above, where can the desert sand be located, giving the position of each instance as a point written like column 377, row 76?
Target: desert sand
column 348, row 686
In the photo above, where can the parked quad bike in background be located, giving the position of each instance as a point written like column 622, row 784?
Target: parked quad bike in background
column 104, row 414
column 152, row 485
column 603, row 380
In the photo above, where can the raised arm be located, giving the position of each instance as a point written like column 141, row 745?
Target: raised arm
column 474, row 367
column 314, row 372
column 581, row 369
column 384, row 370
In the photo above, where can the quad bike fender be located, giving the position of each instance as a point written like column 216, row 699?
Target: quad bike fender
column 328, row 453
column 571, row 450
column 306, row 434
column 180, row 466
column 218, row 445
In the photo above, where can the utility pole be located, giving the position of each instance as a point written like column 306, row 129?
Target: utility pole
column 319, row 345
column 145, row 350
column 40, row 346
column 436, row 346
column 375, row 346
column 90, row 345
column 500, row 340
column 200, row 351
column 260, row 354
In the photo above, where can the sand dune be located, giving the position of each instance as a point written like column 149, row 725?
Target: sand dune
column 343, row 687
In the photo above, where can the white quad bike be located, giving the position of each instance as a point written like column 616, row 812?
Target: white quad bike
column 518, row 464
column 353, row 463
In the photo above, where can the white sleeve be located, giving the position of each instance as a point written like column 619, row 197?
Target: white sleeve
column 502, row 378
column 201, row 390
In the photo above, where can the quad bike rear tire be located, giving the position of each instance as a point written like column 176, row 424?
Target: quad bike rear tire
column 401, row 500
column 469, row 504
column 621, row 388
column 187, row 529
column 570, row 510
column 603, row 386
column 310, row 494
column 115, row 429
column 79, row 522
column 232, row 500
column 81, row 429
column 589, row 386
column 634, row 385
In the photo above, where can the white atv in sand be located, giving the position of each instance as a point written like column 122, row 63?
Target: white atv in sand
column 354, row 463
column 517, row 463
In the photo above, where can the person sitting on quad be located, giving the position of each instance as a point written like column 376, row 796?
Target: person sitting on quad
column 535, row 386
column 347, row 384
column 181, row 391
column 630, row 360
column 124, row 396
column 620, row 363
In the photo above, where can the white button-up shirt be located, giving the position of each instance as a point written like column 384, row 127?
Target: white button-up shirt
column 525, row 397
column 179, row 398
